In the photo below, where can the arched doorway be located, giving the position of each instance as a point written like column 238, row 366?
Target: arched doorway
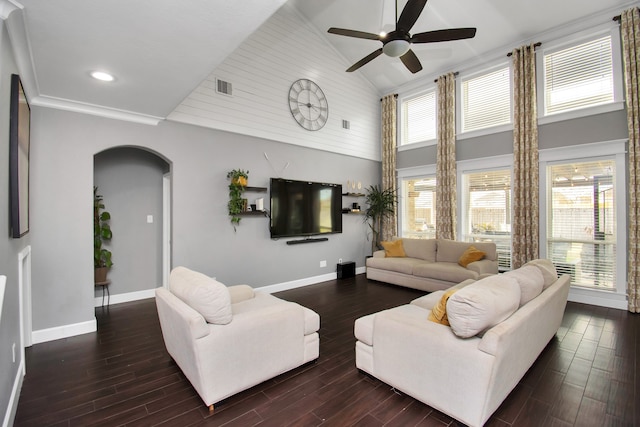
column 135, row 185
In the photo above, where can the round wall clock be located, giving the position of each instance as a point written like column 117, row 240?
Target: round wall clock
column 308, row 104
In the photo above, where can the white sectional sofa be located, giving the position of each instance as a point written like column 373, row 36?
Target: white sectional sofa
column 497, row 328
column 431, row 264
column 228, row 339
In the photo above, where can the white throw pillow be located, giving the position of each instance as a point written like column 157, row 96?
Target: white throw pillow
column 547, row 269
column 482, row 305
column 530, row 280
column 207, row 296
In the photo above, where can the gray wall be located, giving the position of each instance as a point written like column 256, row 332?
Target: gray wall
column 598, row 128
column 9, row 248
column 130, row 180
column 63, row 149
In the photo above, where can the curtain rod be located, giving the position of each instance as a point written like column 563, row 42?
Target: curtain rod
column 455, row 74
column 395, row 95
column 617, row 18
column 534, row 45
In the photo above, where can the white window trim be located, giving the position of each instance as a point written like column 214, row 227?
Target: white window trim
column 609, row 149
column 408, row 173
column 399, row 125
column 479, row 165
column 572, row 40
column 490, row 130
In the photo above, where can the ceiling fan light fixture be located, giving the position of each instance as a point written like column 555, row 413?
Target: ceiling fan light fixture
column 395, row 48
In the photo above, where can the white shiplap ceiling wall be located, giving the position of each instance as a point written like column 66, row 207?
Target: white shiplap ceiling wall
column 284, row 49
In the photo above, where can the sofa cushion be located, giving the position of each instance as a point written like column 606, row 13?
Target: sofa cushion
column 482, row 305
column 547, row 269
column 438, row 313
column 451, row 250
column 205, row 295
column 471, row 254
column 530, row 280
column 399, row 265
column 447, row 271
column 424, row 249
column 393, row 249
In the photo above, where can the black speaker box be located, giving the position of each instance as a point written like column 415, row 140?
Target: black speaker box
column 346, row 269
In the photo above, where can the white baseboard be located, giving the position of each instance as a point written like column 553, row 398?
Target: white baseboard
column 303, row 282
column 12, row 407
column 128, row 297
column 64, row 331
column 598, row 298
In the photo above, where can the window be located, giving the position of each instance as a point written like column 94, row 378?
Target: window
column 486, row 100
column 419, row 119
column 418, row 207
column 581, row 221
column 486, row 212
column 579, row 76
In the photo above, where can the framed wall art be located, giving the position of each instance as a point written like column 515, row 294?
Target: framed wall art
column 19, row 129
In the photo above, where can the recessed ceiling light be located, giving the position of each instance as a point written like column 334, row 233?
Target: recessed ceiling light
column 102, row 76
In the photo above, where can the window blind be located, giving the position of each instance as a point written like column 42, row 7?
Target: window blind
column 418, row 205
column 419, row 119
column 581, row 237
column 487, row 215
column 579, row 76
column 486, row 100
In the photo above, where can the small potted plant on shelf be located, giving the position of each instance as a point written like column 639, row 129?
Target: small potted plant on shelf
column 239, row 179
column 101, row 233
column 381, row 204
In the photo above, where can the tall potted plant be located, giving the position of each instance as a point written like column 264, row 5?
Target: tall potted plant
column 239, row 179
column 381, row 204
column 101, row 233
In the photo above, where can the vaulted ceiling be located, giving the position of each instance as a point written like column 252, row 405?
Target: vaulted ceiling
column 160, row 50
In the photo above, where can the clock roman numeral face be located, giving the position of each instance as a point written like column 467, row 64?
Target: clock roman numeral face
column 308, row 104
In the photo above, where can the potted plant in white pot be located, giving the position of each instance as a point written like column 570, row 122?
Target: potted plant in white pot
column 101, row 233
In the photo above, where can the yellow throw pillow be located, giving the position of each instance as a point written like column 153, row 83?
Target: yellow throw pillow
column 438, row 313
column 470, row 255
column 393, row 249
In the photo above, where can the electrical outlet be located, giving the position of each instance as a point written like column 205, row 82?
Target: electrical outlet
column 323, row 263
column 13, row 351
column 339, row 260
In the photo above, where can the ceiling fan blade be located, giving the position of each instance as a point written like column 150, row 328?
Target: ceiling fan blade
column 411, row 61
column 353, row 33
column 365, row 60
column 410, row 14
column 444, row 35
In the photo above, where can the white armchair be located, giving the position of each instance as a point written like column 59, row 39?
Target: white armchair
column 228, row 339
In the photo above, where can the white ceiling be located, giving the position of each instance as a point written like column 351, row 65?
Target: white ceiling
column 160, row 50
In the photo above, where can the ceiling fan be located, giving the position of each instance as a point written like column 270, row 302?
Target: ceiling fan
column 398, row 42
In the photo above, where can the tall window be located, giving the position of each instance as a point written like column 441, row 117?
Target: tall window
column 419, row 119
column 581, row 217
column 486, row 216
column 579, row 76
column 486, row 100
column 418, row 208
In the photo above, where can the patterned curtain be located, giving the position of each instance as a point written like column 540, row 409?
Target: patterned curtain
column 446, row 160
column 630, row 30
column 390, row 223
column 525, row 231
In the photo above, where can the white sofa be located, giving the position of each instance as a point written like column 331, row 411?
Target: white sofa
column 228, row 339
column 431, row 264
column 498, row 327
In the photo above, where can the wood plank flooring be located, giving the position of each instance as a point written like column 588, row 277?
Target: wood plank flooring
column 122, row 375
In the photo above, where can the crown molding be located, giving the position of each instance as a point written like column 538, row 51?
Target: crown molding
column 94, row 110
column 8, row 6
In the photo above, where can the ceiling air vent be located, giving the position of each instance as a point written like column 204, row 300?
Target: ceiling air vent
column 223, row 87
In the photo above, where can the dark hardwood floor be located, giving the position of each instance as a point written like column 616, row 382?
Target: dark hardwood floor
column 122, row 375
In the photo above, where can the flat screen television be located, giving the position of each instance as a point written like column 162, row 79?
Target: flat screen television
column 303, row 208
